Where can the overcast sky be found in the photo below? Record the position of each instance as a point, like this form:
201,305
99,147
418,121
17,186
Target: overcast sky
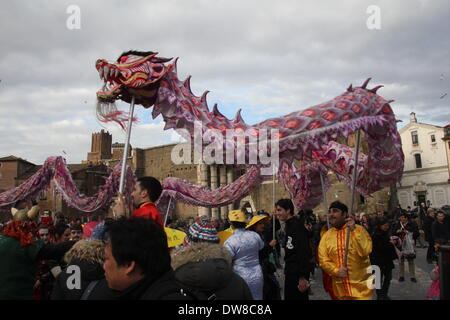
267,57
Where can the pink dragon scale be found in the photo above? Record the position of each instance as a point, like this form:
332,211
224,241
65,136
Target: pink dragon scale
309,135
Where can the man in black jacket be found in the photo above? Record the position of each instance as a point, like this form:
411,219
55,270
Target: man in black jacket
297,253
383,254
427,226
137,262
440,230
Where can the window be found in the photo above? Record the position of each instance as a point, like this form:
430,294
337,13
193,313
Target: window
418,161
439,196
433,138
415,137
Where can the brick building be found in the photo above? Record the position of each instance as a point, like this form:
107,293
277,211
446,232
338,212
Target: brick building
10,168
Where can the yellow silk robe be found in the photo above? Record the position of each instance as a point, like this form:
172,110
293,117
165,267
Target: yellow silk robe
331,259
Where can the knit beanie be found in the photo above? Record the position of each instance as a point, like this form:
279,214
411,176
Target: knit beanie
202,229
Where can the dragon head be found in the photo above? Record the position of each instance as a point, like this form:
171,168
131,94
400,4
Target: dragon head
135,73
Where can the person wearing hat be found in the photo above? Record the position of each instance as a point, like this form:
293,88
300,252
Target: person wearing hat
244,246
204,267
202,229
20,211
350,281
271,287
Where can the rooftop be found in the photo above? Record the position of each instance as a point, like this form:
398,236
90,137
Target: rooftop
13,158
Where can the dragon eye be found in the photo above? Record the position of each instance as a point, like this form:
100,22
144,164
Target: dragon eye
123,59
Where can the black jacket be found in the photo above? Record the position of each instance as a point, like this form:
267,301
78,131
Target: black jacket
427,223
298,253
54,251
264,257
89,271
164,287
441,232
205,270
383,251
410,226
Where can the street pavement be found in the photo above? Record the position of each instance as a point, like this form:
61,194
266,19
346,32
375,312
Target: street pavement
406,290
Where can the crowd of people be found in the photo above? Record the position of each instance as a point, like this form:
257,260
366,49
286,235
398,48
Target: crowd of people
231,259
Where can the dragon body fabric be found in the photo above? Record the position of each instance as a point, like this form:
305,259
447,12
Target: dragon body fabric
309,136
55,169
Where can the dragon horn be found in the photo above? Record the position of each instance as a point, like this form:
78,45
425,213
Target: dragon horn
350,88
156,59
374,90
216,111
203,98
175,65
237,117
187,84
366,83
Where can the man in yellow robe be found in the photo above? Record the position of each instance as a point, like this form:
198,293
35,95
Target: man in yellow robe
351,282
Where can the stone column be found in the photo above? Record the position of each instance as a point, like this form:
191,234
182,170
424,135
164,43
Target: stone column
199,182
202,175
230,178
214,184
223,182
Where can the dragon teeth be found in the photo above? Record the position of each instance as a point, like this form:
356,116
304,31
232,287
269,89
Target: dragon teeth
106,72
116,73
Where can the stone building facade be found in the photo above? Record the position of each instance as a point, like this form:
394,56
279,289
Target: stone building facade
426,174
446,140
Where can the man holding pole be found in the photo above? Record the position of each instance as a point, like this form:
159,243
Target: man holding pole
146,191
349,275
